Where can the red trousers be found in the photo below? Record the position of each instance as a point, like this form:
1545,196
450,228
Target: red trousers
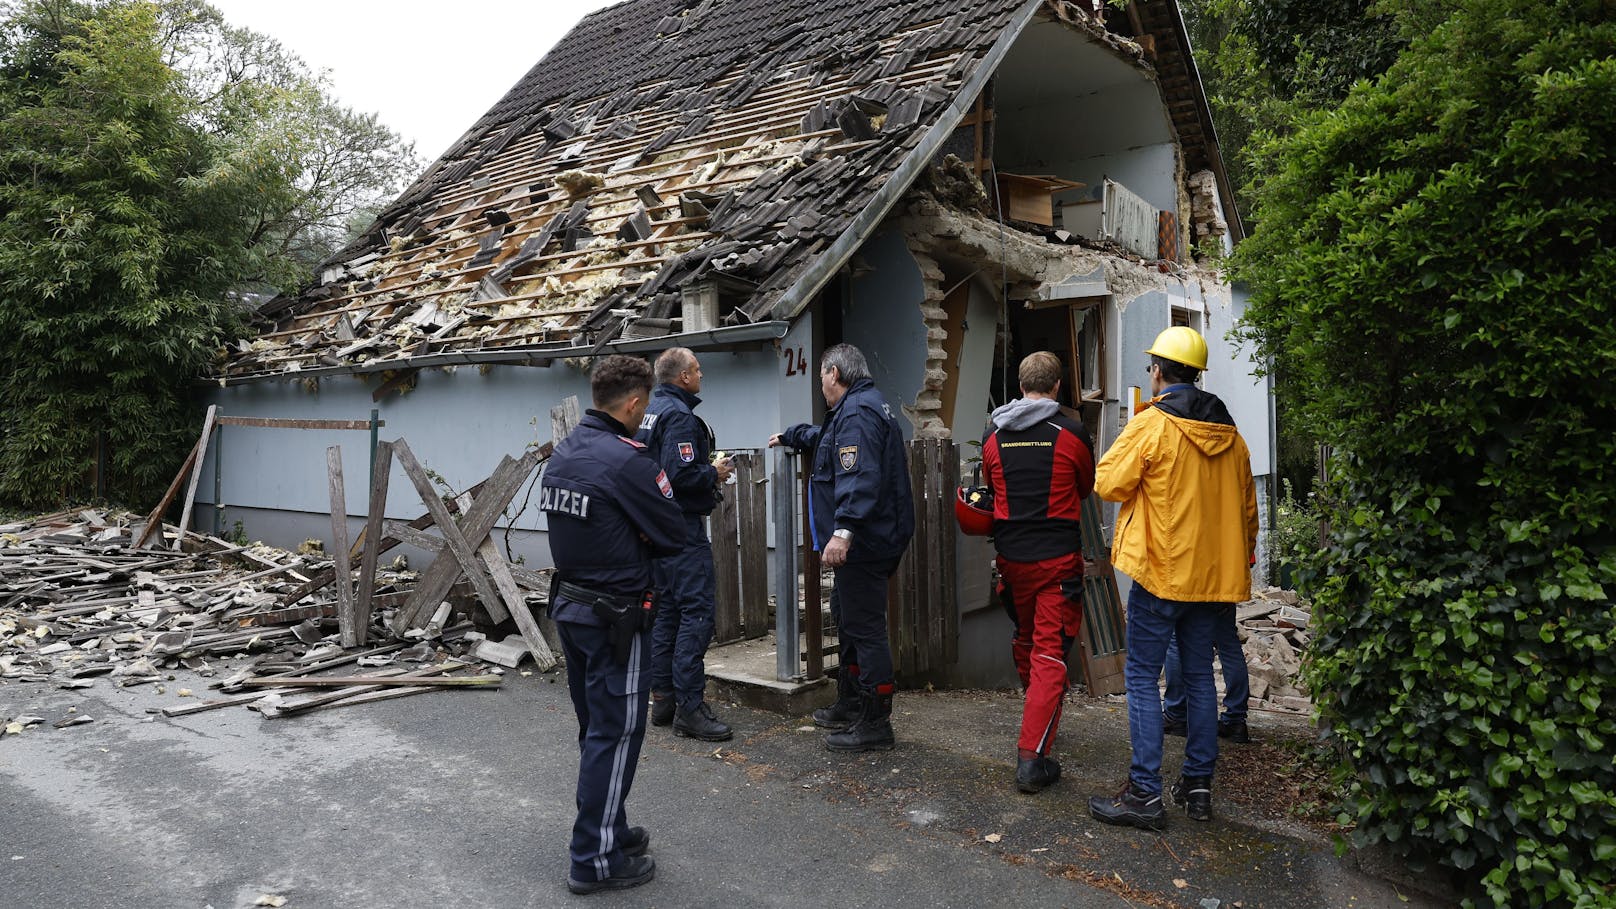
1047,622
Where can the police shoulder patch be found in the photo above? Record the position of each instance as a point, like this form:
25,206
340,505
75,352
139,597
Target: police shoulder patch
849,456
663,484
687,452
628,441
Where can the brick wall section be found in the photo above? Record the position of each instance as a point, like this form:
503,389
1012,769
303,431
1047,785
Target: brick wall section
928,410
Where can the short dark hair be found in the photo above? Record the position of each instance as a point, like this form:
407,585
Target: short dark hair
616,378
1174,371
848,362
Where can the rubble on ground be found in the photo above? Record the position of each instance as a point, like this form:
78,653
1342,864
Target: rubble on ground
78,603
1274,633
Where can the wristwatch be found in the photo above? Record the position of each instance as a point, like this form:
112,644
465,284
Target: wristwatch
844,533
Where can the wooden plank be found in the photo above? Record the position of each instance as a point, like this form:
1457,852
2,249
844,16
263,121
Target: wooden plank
463,548
950,571
752,505
288,616
196,473
447,681
339,548
380,470
278,423
154,521
347,695
563,418
323,578
724,530
516,603
216,703
1102,650
434,583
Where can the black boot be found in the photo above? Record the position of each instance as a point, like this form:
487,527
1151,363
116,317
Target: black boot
701,724
1035,774
871,731
662,707
1195,794
1130,808
841,714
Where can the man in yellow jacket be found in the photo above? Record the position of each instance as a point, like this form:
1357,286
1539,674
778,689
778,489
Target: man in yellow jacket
1185,535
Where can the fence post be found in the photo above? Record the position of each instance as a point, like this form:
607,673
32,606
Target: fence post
787,648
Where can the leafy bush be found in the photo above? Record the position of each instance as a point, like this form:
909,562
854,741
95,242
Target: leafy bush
1295,534
1433,268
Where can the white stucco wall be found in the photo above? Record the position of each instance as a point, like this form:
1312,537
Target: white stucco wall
459,424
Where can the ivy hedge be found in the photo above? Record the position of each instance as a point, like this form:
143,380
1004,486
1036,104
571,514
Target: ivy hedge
1433,274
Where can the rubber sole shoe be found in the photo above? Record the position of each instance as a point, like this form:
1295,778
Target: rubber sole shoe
637,841
865,735
662,709
1195,794
701,724
1179,728
636,870
1130,808
1036,774
837,716
1235,731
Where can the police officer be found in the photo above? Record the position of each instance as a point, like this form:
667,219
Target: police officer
610,510
862,516
683,444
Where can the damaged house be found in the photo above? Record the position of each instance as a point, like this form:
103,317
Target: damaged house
949,185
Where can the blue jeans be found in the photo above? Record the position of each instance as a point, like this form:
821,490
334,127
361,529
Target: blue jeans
1232,659
1152,624
684,618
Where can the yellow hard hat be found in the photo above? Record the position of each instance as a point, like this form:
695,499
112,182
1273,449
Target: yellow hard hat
1181,345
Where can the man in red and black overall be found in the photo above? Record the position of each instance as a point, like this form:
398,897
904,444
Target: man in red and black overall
1039,462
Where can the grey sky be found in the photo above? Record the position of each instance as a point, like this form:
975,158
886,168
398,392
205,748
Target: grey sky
428,70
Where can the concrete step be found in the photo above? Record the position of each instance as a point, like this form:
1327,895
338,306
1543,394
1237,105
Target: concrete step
745,673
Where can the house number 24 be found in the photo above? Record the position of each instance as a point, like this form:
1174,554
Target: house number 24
796,365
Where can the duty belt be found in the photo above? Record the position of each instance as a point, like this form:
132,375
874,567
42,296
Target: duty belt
587,597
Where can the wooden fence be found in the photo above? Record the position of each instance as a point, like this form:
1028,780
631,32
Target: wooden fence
739,531
923,608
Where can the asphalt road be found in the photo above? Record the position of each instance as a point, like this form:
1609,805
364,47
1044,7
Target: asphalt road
465,799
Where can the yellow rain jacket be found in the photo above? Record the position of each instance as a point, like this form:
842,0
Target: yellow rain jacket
1187,530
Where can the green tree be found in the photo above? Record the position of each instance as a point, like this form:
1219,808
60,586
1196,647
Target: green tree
152,161
1432,269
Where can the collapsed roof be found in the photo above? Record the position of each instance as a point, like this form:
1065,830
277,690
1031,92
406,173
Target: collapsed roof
743,147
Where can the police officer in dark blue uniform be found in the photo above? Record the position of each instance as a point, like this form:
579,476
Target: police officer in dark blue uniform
862,516
610,510
683,444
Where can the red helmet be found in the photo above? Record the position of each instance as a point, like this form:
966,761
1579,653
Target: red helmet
973,509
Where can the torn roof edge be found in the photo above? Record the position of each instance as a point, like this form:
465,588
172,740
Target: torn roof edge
704,339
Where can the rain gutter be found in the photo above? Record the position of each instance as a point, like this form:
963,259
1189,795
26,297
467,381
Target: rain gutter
529,356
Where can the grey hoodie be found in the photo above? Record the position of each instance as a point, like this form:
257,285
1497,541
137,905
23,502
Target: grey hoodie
1024,412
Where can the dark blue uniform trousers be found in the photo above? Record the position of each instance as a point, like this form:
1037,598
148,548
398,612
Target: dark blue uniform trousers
858,604
684,618
610,700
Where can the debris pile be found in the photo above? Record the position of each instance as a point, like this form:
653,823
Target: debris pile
78,601
1274,633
